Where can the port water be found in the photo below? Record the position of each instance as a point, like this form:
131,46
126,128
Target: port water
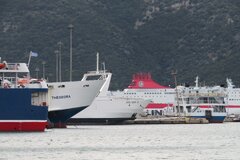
132,142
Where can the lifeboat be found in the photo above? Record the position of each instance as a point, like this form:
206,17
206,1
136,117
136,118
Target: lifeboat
23,81
3,65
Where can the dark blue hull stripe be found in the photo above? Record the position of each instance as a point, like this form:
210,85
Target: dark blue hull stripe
16,105
212,119
61,116
77,121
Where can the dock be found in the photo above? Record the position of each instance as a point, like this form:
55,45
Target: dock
167,120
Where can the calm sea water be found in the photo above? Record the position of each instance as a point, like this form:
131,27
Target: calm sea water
126,142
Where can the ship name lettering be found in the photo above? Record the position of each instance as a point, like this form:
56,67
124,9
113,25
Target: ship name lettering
131,102
61,97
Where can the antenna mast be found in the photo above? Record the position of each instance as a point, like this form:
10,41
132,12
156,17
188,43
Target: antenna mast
174,73
97,65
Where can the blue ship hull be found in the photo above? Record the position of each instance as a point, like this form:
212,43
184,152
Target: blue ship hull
17,112
213,119
59,117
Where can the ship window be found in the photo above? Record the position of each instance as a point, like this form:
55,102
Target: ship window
181,109
95,77
61,86
188,109
35,94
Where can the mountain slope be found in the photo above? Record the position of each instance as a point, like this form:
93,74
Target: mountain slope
192,37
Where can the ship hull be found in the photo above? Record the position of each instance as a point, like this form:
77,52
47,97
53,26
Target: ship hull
98,121
213,119
69,98
233,109
19,126
19,112
109,110
61,116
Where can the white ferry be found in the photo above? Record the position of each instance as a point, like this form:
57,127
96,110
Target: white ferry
110,107
143,86
69,98
164,97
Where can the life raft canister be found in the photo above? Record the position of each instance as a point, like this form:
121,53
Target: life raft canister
3,65
6,85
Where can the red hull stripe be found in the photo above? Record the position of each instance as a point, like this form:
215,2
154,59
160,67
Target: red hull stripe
237,107
23,126
204,106
163,105
233,106
158,105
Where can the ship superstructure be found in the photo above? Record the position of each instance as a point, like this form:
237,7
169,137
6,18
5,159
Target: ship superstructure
143,86
233,99
201,102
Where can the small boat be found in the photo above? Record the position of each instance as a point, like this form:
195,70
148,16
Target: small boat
22,107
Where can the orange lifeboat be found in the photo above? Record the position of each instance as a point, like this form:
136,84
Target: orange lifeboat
23,81
3,65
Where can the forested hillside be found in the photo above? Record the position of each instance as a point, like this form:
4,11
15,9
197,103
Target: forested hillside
158,36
